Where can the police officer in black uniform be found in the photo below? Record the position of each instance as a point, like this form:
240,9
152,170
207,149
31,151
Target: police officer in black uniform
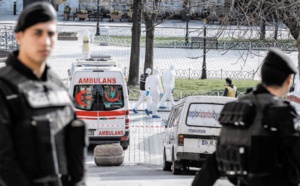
41,142
258,144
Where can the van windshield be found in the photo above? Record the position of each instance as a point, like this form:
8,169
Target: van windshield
204,115
98,97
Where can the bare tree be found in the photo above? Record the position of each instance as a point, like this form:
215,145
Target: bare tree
150,11
268,12
135,43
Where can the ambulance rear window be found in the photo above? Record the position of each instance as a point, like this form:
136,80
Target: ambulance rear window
98,97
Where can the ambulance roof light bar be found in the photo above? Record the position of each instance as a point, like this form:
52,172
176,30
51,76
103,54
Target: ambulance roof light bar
96,62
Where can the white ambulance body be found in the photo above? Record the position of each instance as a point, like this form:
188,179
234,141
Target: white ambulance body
100,97
294,95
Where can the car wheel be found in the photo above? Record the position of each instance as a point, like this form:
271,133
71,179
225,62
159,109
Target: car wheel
125,147
175,171
166,165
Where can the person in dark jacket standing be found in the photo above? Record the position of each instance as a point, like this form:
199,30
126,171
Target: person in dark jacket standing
259,141
143,93
41,141
230,90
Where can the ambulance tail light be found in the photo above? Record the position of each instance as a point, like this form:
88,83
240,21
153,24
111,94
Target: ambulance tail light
180,139
124,138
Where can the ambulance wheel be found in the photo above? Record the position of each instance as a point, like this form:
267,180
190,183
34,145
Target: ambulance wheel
125,147
175,169
166,165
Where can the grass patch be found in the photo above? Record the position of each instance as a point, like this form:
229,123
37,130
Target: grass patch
211,84
188,87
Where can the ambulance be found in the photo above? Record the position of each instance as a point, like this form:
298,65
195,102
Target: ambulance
100,96
294,94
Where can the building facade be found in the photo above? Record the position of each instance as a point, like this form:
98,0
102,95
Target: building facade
170,6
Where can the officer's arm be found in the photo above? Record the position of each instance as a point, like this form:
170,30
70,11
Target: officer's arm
289,135
282,117
208,174
225,92
10,172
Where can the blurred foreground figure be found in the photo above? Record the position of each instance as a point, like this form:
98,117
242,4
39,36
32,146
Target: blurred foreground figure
41,142
259,142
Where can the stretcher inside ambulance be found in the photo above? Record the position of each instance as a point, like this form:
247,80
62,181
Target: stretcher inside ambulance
101,100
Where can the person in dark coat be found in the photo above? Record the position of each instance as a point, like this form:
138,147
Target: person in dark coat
259,141
41,141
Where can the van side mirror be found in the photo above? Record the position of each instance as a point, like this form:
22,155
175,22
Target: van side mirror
164,123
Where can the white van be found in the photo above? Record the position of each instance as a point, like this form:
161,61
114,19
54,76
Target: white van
191,131
101,99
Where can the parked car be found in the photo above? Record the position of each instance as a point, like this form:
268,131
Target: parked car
191,131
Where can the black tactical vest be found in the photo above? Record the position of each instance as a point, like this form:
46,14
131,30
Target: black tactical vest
248,144
41,112
143,78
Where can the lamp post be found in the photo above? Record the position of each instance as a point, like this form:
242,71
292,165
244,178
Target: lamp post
204,14
187,11
98,13
187,29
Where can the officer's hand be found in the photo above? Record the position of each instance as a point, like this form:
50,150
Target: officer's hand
161,95
147,93
173,89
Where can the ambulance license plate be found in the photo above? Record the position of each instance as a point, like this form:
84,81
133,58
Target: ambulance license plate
91,132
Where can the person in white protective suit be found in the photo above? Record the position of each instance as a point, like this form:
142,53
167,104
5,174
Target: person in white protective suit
153,85
169,86
143,96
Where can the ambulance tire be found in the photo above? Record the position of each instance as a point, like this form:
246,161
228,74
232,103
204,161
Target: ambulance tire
113,149
125,147
175,169
109,160
166,165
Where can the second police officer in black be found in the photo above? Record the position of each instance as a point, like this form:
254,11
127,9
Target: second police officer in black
259,144
41,142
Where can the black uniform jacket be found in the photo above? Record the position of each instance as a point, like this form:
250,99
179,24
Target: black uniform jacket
11,173
290,140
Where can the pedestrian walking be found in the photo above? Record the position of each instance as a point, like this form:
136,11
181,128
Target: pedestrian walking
143,95
169,87
259,141
41,141
153,84
230,89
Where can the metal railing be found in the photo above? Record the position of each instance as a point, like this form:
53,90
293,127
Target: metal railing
7,38
211,74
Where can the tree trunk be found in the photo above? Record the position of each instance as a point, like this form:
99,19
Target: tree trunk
262,32
149,23
276,25
135,44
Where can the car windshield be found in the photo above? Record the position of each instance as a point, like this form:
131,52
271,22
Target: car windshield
204,115
98,97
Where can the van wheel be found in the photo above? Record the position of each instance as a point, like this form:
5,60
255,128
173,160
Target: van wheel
175,170
166,165
125,147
